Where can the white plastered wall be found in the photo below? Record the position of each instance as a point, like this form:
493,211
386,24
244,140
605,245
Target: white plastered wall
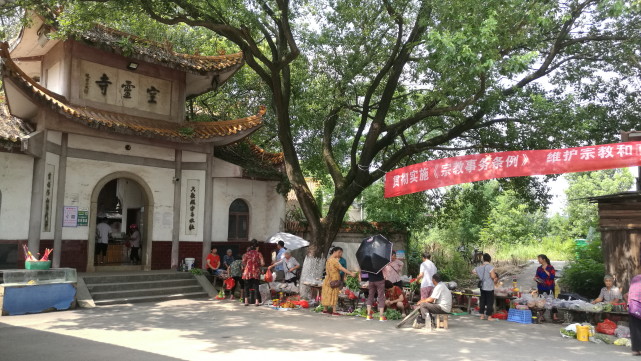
16,172
83,175
119,147
266,206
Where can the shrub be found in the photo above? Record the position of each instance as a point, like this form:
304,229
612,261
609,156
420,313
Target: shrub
449,262
584,275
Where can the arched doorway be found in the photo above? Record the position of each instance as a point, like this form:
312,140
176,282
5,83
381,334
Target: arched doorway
119,200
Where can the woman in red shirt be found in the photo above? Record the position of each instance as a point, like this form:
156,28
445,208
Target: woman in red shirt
252,261
394,297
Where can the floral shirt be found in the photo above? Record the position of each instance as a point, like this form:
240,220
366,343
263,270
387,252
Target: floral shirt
252,261
546,283
392,271
236,268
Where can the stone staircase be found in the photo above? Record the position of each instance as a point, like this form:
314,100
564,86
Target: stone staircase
143,287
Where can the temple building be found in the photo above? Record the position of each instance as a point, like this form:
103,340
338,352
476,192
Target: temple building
94,128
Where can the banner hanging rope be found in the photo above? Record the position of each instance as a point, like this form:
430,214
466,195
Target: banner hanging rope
476,167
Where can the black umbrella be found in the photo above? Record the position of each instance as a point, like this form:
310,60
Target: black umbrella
374,253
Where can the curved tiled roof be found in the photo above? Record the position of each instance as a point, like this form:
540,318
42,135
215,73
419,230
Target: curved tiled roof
255,162
267,157
113,40
184,132
12,129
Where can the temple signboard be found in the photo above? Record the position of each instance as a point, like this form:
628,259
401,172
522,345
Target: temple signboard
119,87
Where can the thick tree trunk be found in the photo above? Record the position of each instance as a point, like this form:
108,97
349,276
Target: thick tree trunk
317,252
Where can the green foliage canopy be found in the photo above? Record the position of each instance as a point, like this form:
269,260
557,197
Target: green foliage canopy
358,88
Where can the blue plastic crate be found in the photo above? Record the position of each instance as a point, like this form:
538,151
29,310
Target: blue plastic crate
519,316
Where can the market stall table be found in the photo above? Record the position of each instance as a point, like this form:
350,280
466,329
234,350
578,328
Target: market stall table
569,315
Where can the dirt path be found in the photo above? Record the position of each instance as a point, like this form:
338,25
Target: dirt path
525,276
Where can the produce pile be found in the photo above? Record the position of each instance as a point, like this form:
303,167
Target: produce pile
619,338
575,305
353,284
391,314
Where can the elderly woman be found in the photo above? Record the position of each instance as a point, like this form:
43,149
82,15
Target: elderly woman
610,293
329,294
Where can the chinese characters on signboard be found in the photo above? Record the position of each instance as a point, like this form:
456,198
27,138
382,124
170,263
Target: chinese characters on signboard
477,167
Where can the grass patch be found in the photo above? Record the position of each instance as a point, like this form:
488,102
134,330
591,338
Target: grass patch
555,248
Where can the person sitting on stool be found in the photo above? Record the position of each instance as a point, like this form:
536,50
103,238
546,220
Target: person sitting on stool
440,302
213,262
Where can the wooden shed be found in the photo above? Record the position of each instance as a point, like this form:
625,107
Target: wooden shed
620,227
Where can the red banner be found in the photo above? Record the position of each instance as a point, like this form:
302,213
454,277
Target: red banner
477,167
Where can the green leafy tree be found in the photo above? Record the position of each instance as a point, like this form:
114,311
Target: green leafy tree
510,222
464,210
412,211
358,88
583,214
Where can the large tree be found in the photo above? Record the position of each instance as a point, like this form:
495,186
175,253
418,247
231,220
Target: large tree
358,88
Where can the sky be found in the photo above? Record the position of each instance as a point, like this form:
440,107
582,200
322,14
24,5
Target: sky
558,187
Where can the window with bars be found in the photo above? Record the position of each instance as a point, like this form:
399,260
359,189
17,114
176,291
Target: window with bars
238,221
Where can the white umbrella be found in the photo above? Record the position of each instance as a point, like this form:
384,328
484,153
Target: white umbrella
292,242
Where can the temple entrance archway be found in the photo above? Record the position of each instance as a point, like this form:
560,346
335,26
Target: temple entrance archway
120,199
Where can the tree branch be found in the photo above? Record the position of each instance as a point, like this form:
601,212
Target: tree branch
371,89
328,153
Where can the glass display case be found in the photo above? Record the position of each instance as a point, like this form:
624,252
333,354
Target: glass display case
22,277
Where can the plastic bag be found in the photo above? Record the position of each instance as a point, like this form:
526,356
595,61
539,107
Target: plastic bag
229,283
265,293
501,315
622,332
269,277
608,327
623,342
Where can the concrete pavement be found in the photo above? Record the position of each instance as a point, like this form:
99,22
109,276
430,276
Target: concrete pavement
209,330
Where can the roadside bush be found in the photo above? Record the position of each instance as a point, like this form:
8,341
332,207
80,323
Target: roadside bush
449,262
584,275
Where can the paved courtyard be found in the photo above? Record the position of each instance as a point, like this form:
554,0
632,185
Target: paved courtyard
214,330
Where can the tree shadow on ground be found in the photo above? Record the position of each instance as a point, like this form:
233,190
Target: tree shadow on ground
224,327
22,343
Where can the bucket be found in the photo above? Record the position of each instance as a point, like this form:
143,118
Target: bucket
582,333
189,262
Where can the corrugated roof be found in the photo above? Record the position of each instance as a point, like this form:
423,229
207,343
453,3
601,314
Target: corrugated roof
614,197
184,132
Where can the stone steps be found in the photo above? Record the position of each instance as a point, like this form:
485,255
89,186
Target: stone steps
111,289
117,301
129,286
